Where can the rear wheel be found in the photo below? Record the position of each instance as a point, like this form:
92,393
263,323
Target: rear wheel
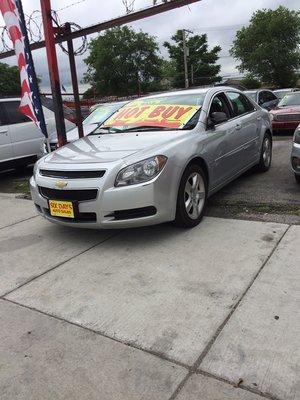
192,196
265,154
297,177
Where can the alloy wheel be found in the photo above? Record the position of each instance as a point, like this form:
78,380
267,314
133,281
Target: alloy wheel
194,195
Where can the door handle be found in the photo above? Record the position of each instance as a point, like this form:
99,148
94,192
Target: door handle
238,127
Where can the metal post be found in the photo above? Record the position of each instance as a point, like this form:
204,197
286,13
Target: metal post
192,75
74,82
53,71
186,75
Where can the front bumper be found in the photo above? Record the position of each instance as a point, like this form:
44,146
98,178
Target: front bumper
295,158
284,126
130,206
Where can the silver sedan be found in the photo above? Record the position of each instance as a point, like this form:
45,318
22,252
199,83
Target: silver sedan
295,158
157,159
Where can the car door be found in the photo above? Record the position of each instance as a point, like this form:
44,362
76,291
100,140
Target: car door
25,136
220,147
245,137
6,152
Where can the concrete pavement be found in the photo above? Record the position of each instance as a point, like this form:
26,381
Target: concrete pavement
156,313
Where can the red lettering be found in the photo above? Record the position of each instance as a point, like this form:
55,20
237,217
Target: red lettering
182,111
142,109
157,111
169,112
120,114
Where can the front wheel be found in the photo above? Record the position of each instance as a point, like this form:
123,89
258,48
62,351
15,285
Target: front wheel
265,154
192,197
297,177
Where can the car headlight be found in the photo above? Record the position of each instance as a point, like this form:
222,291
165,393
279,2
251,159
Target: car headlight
297,136
140,172
271,116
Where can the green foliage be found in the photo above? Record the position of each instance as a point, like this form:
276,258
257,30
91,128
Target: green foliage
122,62
269,47
250,82
203,61
9,81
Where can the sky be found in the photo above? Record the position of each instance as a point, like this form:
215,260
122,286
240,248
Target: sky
219,19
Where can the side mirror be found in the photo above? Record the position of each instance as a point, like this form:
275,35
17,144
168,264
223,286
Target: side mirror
218,117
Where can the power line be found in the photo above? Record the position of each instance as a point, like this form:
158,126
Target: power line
70,5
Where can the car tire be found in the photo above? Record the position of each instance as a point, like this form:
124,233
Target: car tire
297,177
265,154
192,197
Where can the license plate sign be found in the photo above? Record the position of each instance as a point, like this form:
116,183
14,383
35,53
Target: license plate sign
60,208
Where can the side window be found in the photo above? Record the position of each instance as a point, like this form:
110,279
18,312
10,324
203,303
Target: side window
219,104
270,96
240,104
13,114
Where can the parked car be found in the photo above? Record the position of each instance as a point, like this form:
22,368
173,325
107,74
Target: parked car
264,97
295,157
286,116
157,159
68,113
280,93
92,121
20,139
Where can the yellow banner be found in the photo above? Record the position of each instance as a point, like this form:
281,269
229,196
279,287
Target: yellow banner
162,115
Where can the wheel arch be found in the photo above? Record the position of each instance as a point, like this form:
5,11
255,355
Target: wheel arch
202,163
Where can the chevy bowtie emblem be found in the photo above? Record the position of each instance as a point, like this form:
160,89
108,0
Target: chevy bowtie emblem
61,184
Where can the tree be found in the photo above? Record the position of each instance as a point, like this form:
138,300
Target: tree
250,82
123,62
9,80
202,67
269,47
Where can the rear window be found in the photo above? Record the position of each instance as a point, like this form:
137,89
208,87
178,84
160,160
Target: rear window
48,103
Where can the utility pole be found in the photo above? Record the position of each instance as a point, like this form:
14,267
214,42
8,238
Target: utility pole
192,75
49,32
185,54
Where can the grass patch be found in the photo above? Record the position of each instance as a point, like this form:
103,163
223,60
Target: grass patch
261,208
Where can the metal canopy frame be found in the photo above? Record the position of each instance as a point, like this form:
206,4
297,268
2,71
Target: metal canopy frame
54,35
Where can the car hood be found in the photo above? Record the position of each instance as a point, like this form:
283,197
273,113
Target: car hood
111,147
286,110
73,134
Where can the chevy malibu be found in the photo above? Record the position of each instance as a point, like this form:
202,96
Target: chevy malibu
157,159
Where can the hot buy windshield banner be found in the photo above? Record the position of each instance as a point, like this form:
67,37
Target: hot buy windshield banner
163,115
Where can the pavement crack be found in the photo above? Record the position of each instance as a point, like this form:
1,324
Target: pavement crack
240,386
19,222
195,367
60,264
128,344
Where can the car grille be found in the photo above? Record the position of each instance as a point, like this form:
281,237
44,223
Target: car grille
288,117
71,174
69,195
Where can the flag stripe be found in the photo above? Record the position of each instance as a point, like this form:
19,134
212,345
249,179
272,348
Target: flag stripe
30,105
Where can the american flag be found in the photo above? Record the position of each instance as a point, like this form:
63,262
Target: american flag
30,105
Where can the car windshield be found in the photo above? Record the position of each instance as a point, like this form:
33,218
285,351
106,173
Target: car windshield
291,99
170,112
101,113
281,93
252,95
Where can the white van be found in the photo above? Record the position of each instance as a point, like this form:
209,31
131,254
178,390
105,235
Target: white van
20,139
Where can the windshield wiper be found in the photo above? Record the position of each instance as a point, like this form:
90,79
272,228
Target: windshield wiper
142,128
